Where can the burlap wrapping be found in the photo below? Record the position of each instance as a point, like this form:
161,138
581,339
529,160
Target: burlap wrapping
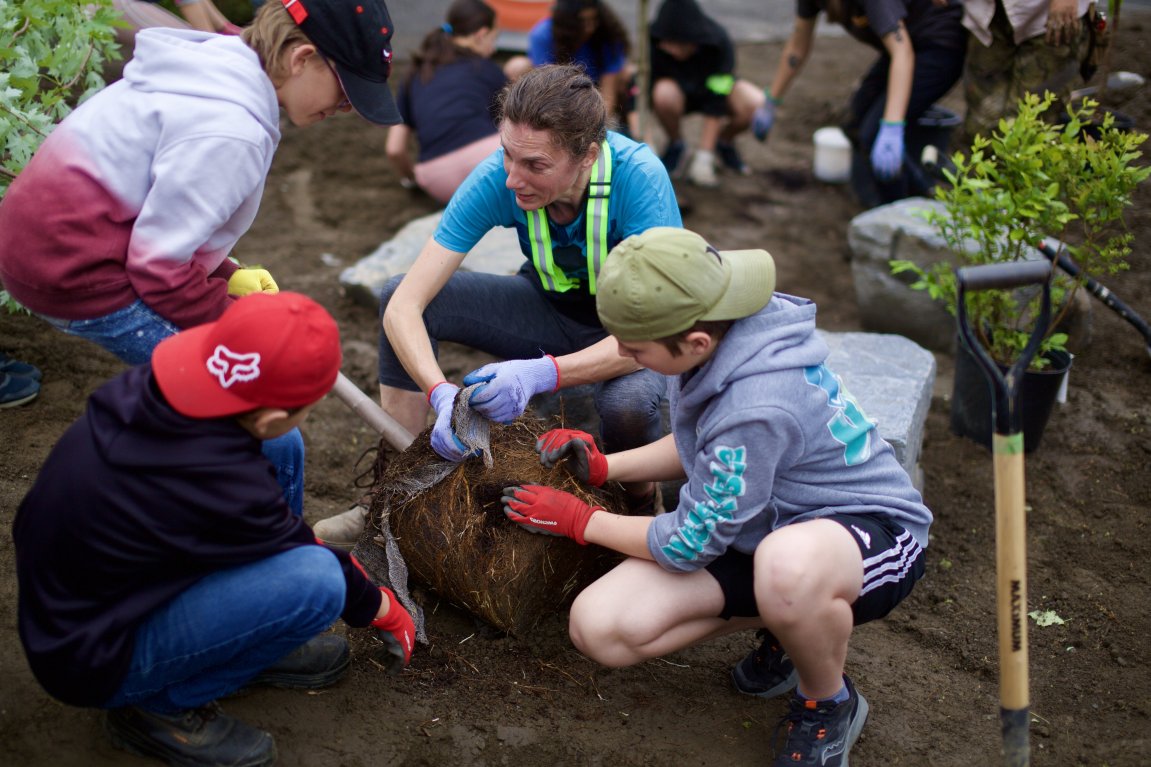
447,523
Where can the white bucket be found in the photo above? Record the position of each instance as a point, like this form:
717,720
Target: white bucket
832,156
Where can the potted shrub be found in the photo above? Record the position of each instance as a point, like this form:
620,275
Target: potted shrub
1032,180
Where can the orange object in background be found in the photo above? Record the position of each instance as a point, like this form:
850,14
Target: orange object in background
519,15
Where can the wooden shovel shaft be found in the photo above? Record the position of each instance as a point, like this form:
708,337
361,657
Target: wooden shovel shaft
1011,592
374,415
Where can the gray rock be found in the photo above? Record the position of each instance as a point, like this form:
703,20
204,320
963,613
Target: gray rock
887,304
497,253
891,377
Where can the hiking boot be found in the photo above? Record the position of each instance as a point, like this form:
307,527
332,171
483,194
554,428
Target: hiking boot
319,662
343,530
198,737
673,158
731,159
766,671
821,732
17,390
702,169
14,367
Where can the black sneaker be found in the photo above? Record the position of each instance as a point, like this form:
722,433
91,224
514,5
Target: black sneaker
767,671
319,662
731,159
673,158
820,732
199,737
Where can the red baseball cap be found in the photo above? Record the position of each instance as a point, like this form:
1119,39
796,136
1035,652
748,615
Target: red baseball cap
277,350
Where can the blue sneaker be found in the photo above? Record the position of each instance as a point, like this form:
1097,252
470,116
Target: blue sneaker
821,732
767,671
17,390
14,367
673,158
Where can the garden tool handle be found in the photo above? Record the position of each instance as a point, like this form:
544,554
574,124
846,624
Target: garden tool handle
1010,504
374,415
1011,274
1005,404
1100,291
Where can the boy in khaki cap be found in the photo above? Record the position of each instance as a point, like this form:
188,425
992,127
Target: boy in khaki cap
796,518
159,565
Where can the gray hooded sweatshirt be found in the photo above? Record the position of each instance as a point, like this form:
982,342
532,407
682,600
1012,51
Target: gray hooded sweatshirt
769,436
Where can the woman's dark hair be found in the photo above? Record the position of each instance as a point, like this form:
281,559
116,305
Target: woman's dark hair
560,99
567,31
465,17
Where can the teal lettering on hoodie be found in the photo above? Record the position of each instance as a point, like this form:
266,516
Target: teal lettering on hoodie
687,543
847,425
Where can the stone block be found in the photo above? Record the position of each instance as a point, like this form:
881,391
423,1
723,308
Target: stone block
891,377
497,253
887,304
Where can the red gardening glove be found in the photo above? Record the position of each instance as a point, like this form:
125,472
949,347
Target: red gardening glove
397,624
589,463
540,509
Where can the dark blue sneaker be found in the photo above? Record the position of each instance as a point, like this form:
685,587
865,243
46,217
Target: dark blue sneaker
17,368
673,158
17,390
820,732
767,671
731,159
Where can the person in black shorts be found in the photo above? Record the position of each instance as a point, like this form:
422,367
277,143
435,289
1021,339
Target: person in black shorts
796,517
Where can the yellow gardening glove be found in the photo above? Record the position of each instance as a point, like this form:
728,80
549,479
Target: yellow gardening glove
254,280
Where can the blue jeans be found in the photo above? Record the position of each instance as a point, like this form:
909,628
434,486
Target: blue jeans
505,316
133,332
217,635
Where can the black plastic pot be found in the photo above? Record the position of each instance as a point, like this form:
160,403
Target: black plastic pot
971,398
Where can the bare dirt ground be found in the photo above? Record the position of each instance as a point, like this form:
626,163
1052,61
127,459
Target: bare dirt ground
474,698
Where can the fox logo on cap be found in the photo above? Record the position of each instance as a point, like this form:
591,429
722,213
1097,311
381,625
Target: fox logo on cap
229,367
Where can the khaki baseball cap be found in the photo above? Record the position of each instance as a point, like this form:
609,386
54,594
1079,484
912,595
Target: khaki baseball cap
663,281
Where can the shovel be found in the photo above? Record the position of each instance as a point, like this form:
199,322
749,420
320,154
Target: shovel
1010,522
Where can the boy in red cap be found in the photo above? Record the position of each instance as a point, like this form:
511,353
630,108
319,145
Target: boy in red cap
119,229
159,565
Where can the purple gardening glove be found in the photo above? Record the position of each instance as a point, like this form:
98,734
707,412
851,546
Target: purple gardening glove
444,440
508,386
887,151
764,118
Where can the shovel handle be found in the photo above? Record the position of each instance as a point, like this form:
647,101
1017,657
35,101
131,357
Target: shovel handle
1013,274
374,415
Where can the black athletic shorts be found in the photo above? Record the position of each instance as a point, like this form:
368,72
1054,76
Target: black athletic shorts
892,563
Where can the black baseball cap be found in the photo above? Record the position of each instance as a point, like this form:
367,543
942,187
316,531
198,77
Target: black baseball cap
356,36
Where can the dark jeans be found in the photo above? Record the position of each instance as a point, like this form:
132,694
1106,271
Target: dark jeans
936,71
505,316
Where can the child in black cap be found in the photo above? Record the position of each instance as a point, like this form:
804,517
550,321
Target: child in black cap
119,229
159,567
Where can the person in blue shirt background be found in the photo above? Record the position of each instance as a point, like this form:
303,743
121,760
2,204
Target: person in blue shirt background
586,33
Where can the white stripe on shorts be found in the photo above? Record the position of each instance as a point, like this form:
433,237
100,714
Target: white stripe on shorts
892,565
